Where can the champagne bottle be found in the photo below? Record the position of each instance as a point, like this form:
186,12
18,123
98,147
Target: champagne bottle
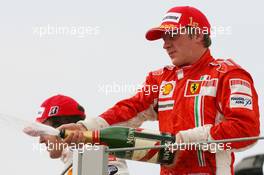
122,137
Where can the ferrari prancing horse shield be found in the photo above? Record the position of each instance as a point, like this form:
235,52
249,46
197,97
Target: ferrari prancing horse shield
201,87
194,87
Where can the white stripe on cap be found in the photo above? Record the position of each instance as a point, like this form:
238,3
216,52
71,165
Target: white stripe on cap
172,17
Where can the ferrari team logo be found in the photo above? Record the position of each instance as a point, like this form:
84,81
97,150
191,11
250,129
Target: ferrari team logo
194,87
201,87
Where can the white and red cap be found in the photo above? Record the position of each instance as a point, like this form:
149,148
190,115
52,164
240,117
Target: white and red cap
178,17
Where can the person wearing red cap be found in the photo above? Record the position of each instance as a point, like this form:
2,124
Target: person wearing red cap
58,110
198,98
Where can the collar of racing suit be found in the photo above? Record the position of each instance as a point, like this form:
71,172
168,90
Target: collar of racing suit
203,61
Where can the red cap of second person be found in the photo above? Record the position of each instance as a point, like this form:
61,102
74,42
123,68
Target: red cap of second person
59,105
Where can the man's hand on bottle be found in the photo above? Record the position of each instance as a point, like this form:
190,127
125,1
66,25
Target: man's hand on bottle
76,136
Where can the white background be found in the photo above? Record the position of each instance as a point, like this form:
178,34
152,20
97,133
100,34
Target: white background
34,67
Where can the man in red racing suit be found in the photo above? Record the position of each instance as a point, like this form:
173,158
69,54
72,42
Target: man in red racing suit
199,98
216,97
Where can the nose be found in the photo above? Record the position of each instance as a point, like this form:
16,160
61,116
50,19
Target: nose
166,44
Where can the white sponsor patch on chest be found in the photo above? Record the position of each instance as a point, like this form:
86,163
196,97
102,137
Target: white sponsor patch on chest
240,86
167,89
241,101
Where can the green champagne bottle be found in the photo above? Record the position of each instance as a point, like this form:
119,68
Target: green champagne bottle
123,137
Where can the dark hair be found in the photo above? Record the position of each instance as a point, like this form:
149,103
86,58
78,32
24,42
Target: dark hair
206,37
57,121
207,40
80,108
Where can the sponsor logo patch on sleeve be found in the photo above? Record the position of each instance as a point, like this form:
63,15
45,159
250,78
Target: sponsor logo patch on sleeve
240,86
241,101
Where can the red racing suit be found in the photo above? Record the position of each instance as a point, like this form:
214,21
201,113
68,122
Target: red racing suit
211,92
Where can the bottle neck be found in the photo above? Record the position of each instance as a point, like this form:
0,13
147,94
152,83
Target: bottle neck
90,136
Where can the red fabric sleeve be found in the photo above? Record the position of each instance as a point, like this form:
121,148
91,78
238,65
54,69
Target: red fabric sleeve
240,109
129,108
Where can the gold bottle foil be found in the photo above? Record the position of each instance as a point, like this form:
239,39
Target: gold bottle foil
87,134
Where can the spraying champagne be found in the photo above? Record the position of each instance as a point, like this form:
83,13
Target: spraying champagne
122,137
